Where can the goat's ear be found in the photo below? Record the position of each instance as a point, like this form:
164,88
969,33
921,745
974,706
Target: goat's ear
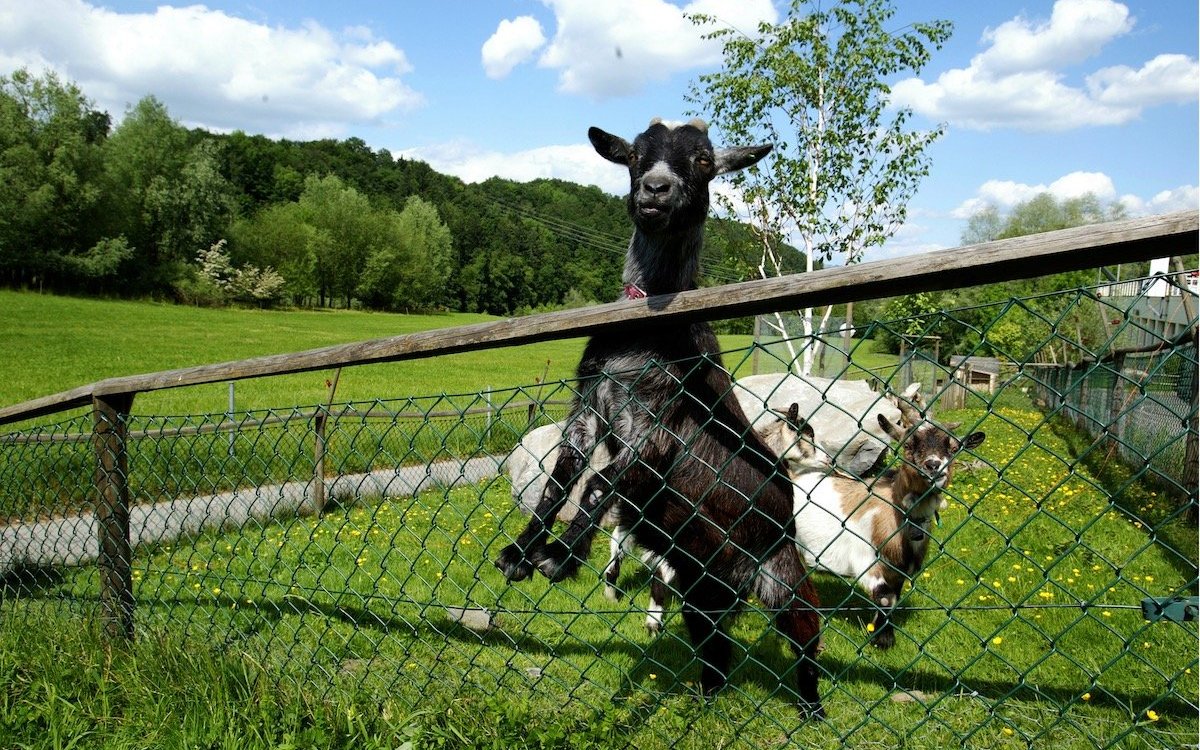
611,147
740,157
891,429
793,414
807,431
974,440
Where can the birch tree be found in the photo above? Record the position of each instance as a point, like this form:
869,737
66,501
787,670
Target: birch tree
845,163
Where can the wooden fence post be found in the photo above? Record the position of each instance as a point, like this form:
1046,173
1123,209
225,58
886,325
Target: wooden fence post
112,513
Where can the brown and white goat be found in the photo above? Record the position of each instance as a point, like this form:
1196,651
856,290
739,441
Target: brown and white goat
687,476
875,531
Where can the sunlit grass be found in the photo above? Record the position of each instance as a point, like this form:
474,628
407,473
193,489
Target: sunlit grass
1024,628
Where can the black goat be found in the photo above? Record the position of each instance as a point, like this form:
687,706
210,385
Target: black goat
690,480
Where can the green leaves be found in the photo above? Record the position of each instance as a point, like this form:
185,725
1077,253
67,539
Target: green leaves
816,86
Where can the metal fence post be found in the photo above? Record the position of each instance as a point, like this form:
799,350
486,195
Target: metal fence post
1191,461
318,490
112,513
1115,424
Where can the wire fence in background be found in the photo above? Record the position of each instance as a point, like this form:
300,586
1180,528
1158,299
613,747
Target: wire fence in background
350,547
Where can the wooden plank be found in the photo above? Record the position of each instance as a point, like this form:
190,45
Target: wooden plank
1078,248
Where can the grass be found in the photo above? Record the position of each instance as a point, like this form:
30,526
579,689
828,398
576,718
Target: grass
341,631
67,342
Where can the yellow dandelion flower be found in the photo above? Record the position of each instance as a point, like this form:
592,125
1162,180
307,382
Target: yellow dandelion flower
1007,731
1085,697
997,641
1149,579
653,676
1152,715
870,627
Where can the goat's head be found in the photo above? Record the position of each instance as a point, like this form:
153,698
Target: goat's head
670,167
928,448
792,438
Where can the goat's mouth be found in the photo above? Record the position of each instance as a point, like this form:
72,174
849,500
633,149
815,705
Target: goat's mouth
651,212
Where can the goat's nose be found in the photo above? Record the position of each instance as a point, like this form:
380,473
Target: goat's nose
656,187
933,466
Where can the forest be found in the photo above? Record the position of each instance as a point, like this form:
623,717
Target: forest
150,209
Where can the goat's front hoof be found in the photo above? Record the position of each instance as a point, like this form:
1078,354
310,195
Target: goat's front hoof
883,640
811,711
555,562
513,565
612,593
653,626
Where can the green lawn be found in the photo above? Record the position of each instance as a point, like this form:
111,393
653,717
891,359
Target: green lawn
1024,629
63,342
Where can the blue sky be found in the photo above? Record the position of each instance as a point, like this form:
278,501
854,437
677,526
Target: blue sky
1069,96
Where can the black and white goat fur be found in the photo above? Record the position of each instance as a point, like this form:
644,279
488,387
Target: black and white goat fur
690,480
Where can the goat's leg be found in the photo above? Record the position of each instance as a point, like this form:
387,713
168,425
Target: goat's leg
560,559
885,598
713,644
785,588
660,592
619,546
514,560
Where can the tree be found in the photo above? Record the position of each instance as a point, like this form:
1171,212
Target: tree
428,245
50,168
1022,331
143,155
278,236
347,229
815,85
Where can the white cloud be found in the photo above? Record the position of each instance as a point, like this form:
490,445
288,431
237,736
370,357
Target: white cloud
1018,81
513,43
212,69
618,47
1166,78
1076,31
574,163
1182,198
1005,194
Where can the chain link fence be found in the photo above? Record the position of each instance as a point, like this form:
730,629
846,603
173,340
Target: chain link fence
349,546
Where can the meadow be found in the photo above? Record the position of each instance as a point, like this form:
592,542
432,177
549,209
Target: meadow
360,628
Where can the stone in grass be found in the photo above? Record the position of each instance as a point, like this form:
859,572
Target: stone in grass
472,618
